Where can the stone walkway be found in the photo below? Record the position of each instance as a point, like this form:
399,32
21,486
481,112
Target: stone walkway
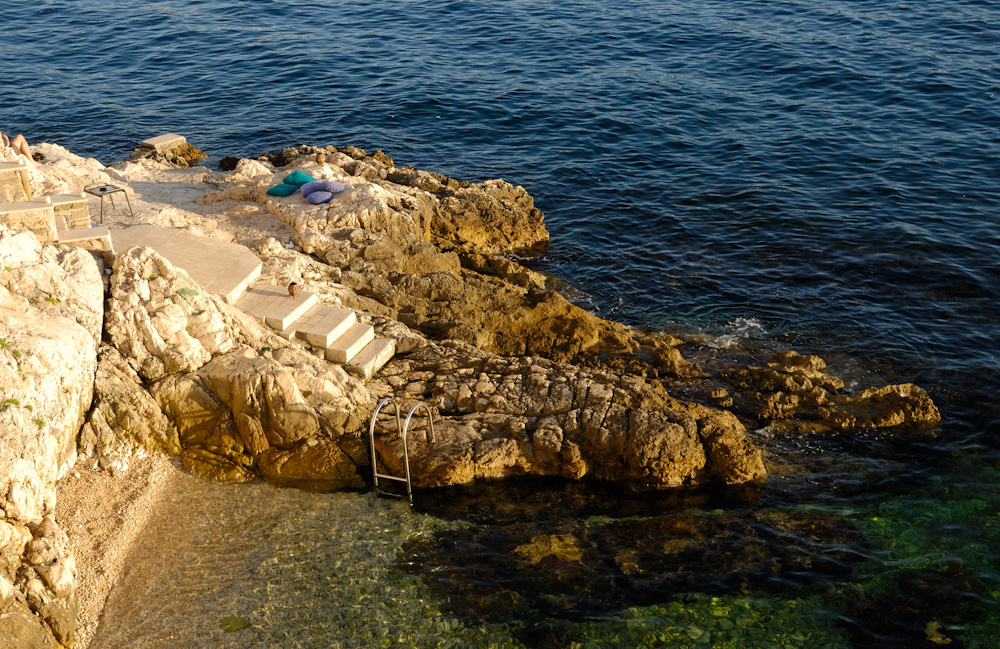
221,268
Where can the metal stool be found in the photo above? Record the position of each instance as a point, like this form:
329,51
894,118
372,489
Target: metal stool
102,190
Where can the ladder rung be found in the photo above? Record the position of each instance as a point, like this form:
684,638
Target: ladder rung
390,477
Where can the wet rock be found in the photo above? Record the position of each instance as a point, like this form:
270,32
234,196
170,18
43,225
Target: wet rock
901,407
793,386
315,465
228,163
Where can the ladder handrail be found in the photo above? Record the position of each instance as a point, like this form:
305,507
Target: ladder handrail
430,420
401,430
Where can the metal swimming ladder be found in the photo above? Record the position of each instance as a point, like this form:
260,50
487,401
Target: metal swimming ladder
401,431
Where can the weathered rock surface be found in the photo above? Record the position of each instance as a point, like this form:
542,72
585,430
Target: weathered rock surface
160,320
48,579
498,417
125,420
378,235
795,387
49,329
285,410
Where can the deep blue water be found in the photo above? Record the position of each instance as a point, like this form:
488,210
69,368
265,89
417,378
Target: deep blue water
821,175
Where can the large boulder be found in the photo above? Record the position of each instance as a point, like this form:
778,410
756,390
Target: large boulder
124,421
245,408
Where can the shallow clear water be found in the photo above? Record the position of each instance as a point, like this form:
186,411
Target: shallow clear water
817,175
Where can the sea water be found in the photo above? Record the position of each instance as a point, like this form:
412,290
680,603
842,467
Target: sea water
821,176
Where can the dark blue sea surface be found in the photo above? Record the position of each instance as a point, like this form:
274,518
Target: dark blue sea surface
822,176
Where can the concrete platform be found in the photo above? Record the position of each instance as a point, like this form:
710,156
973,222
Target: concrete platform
221,268
345,348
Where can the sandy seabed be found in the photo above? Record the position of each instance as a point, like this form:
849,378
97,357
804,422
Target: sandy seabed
102,512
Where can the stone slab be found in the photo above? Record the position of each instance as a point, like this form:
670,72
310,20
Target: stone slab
220,267
164,142
82,234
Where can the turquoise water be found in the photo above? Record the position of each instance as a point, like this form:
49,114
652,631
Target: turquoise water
820,176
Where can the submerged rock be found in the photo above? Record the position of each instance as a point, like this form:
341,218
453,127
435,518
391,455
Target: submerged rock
492,572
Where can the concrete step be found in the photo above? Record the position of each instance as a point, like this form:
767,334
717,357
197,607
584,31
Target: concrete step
275,306
81,234
96,240
14,185
373,357
345,348
323,324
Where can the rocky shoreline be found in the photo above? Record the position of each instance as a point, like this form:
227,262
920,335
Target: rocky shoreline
103,365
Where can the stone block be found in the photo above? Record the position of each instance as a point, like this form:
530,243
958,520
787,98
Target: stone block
164,143
36,216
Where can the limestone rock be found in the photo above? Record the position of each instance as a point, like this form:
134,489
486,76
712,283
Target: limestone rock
160,320
498,417
21,627
125,420
55,280
48,579
796,387
215,467
315,465
900,407
47,365
492,314
491,217
182,154
242,407
731,458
